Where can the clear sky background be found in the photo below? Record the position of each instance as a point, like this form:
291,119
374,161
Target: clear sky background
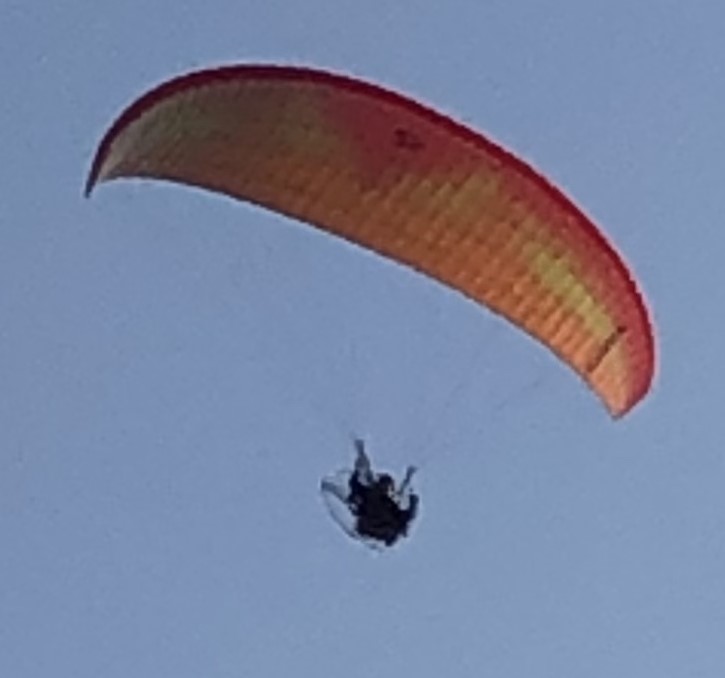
178,370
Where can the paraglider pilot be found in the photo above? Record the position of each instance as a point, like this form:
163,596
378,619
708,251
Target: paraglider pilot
382,512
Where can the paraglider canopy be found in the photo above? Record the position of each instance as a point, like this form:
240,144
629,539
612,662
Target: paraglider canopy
382,171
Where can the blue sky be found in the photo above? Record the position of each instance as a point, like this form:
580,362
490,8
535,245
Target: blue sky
179,369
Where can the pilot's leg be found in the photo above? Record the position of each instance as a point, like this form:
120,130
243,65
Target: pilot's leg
362,464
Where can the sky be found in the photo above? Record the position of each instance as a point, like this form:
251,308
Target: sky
180,369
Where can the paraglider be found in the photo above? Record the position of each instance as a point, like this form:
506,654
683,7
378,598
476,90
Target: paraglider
391,175
382,513
388,174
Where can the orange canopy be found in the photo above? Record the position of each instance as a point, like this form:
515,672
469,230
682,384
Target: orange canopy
391,175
